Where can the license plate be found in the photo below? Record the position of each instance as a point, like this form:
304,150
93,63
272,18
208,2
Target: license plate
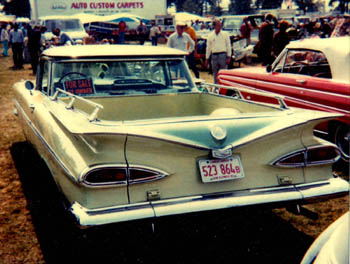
221,169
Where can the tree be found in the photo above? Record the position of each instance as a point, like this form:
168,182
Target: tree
343,5
19,8
238,7
197,6
268,4
192,7
306,5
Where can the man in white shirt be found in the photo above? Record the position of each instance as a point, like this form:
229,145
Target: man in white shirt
16,38
181,40
154,33
219,48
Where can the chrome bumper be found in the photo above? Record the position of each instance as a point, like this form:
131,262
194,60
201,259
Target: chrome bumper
301,193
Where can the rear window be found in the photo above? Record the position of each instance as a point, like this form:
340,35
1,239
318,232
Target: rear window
63,25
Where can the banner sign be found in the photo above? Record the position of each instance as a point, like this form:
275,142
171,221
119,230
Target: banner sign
144,8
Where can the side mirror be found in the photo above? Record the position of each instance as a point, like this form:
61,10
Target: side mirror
29,85
198,83
268,68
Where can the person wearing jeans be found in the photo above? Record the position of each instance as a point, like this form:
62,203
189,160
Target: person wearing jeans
5,40
16,39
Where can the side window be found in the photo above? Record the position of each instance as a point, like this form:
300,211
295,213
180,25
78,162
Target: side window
279,65
43,77
307,62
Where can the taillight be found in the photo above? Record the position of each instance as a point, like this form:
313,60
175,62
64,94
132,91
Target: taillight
109,176
137,175
317,155
102,175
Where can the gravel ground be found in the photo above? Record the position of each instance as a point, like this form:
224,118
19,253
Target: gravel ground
33,228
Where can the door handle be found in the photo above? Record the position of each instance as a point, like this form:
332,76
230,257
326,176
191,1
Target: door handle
301,81
32,107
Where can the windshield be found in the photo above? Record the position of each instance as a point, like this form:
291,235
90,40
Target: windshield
64,25
109,78
232,23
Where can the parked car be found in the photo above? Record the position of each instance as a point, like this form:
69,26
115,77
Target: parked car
127,135
332,245
71,26
233,24
312,74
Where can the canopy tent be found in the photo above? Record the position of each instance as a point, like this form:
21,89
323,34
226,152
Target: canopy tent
131,20
188,17
87,18
126,17
22,20
4,18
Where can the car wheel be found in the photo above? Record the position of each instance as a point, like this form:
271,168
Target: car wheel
341,139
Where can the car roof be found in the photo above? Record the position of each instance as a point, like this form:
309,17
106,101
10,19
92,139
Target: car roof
337,51
89,51
56,17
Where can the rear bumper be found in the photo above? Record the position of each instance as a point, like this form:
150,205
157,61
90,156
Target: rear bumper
301,193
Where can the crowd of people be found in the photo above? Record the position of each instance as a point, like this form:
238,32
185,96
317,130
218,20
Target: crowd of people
26,43
273,37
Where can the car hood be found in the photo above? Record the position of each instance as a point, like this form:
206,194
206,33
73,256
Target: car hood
197,131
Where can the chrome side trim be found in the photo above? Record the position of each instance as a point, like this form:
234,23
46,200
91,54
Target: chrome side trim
44,142
238,90
300,193
92,117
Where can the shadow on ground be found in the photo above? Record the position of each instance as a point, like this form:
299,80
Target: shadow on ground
223,236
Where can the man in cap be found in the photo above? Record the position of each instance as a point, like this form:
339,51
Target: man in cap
181,40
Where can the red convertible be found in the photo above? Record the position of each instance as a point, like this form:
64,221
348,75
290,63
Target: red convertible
310,73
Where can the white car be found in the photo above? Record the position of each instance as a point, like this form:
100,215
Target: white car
71,26
332,246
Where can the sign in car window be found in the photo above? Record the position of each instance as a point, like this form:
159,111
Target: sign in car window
79,86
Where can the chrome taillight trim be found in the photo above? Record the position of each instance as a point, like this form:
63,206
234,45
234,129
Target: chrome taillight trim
276,162
158,174
324,162
306,163
89,170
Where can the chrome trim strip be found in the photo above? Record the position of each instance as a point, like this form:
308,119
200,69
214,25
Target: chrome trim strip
300,193
92,117
278,97
42,139
108,58
297,88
